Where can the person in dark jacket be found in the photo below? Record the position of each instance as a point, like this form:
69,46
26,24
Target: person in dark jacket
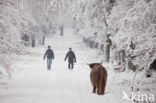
50,55
71,58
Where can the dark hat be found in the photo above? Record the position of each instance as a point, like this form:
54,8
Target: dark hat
49,46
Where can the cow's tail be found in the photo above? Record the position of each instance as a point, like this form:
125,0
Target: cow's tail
103,80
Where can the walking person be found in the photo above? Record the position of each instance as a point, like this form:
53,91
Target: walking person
50,55
71,58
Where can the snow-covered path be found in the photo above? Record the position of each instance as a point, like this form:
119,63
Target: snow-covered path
32,83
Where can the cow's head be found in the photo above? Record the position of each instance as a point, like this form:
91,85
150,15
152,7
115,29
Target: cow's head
91,65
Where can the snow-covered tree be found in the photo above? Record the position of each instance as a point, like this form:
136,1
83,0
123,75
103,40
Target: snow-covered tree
130,24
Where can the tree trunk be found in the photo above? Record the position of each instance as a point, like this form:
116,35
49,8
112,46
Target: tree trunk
61,30
33,43
43,40
107,53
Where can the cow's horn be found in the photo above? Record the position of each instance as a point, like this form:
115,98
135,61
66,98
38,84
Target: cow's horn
101,62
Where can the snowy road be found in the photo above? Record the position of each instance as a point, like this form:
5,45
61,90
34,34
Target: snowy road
32,83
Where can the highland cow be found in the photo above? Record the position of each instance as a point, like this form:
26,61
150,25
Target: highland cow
98,77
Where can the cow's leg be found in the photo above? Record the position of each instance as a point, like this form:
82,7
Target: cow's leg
94,89
104,86
98,91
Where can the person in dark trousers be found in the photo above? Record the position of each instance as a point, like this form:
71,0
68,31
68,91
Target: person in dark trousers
71,58
50,55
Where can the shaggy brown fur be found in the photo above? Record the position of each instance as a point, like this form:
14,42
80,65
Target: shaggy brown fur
98,77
